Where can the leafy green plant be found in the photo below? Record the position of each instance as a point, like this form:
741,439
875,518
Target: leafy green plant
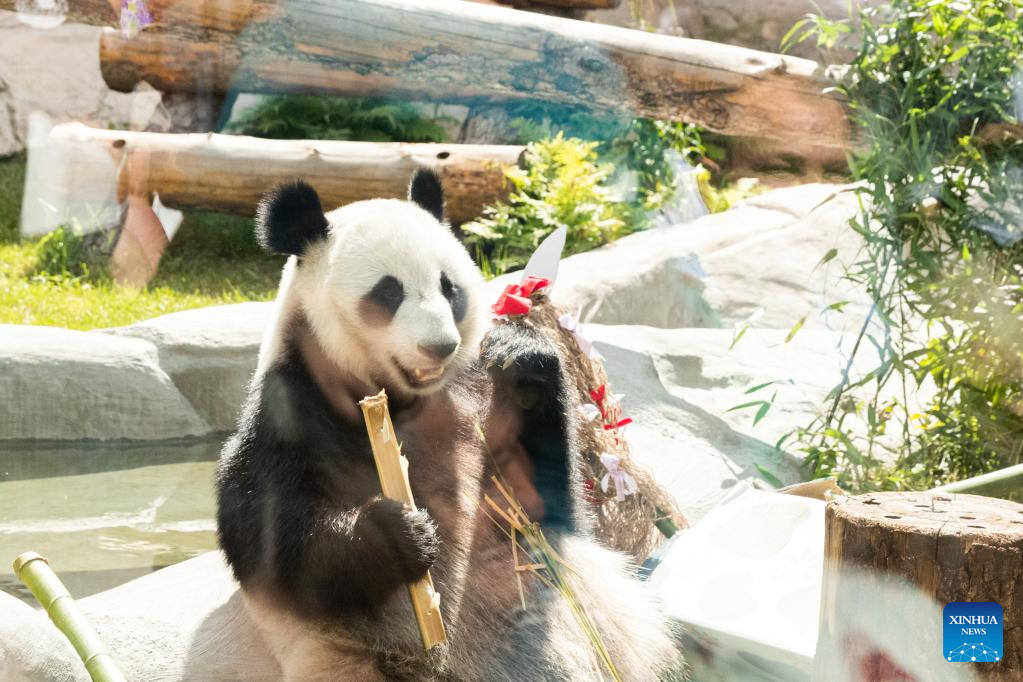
652,152
298,117
825,32
561,184
935,93
63,253
719,198
644,153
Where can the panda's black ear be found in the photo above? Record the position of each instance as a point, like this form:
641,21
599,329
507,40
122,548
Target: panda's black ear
425,190
290,218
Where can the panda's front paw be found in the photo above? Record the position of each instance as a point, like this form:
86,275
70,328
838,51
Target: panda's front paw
409,533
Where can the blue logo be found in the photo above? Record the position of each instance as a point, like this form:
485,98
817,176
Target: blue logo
973,632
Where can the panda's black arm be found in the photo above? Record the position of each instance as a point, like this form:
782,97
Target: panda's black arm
528,371
339,562
326,560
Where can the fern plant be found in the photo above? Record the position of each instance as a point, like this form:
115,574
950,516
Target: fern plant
309,117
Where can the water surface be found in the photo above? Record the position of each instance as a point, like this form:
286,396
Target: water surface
102,513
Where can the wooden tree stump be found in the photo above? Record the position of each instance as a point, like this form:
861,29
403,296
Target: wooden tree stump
953,547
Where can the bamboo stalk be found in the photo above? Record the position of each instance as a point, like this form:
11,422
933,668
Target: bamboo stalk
392,468
34,570
1001,483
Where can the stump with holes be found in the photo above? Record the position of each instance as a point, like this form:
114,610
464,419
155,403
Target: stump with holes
953,547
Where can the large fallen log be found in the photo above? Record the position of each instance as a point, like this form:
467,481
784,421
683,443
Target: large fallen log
234,14
92,12
460,51
223,15
228,173
566,4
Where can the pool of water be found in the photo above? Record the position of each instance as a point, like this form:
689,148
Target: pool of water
104,514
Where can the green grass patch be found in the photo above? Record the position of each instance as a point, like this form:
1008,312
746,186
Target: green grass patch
213,260
81,304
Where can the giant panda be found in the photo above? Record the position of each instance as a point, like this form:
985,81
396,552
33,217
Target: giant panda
381,294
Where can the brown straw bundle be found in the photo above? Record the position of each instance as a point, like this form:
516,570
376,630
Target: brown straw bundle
544,562
630,525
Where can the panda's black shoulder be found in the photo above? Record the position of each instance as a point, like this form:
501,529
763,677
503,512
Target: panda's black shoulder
286,438
287,411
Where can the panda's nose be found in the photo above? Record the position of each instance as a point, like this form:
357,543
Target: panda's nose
438,351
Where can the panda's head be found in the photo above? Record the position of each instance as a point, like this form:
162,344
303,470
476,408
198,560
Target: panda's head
389,292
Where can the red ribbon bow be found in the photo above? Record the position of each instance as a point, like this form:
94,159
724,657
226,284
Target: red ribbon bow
610,413
590,492
617,425
514,300
599,394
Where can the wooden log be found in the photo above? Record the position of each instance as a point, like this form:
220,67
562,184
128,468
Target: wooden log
953,547
233,15
222,15
92,12
228,173
567,4
468,52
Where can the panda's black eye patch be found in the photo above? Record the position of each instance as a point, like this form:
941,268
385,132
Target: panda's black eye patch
446,287
387,294
456,297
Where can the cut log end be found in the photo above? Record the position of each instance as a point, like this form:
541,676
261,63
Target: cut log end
953,547
964,516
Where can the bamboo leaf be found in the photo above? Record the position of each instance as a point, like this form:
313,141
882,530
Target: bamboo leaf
759,386
781,441
829,256
838,306
795,329
768,476
738,336
787,38
959,54
743,406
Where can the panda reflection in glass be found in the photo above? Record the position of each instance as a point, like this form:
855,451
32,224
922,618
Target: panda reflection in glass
381,294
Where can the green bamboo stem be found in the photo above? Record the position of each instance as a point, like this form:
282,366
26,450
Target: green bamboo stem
33,570
999,483
665,525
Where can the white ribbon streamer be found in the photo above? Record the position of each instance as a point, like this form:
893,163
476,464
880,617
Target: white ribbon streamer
570,323
624,483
